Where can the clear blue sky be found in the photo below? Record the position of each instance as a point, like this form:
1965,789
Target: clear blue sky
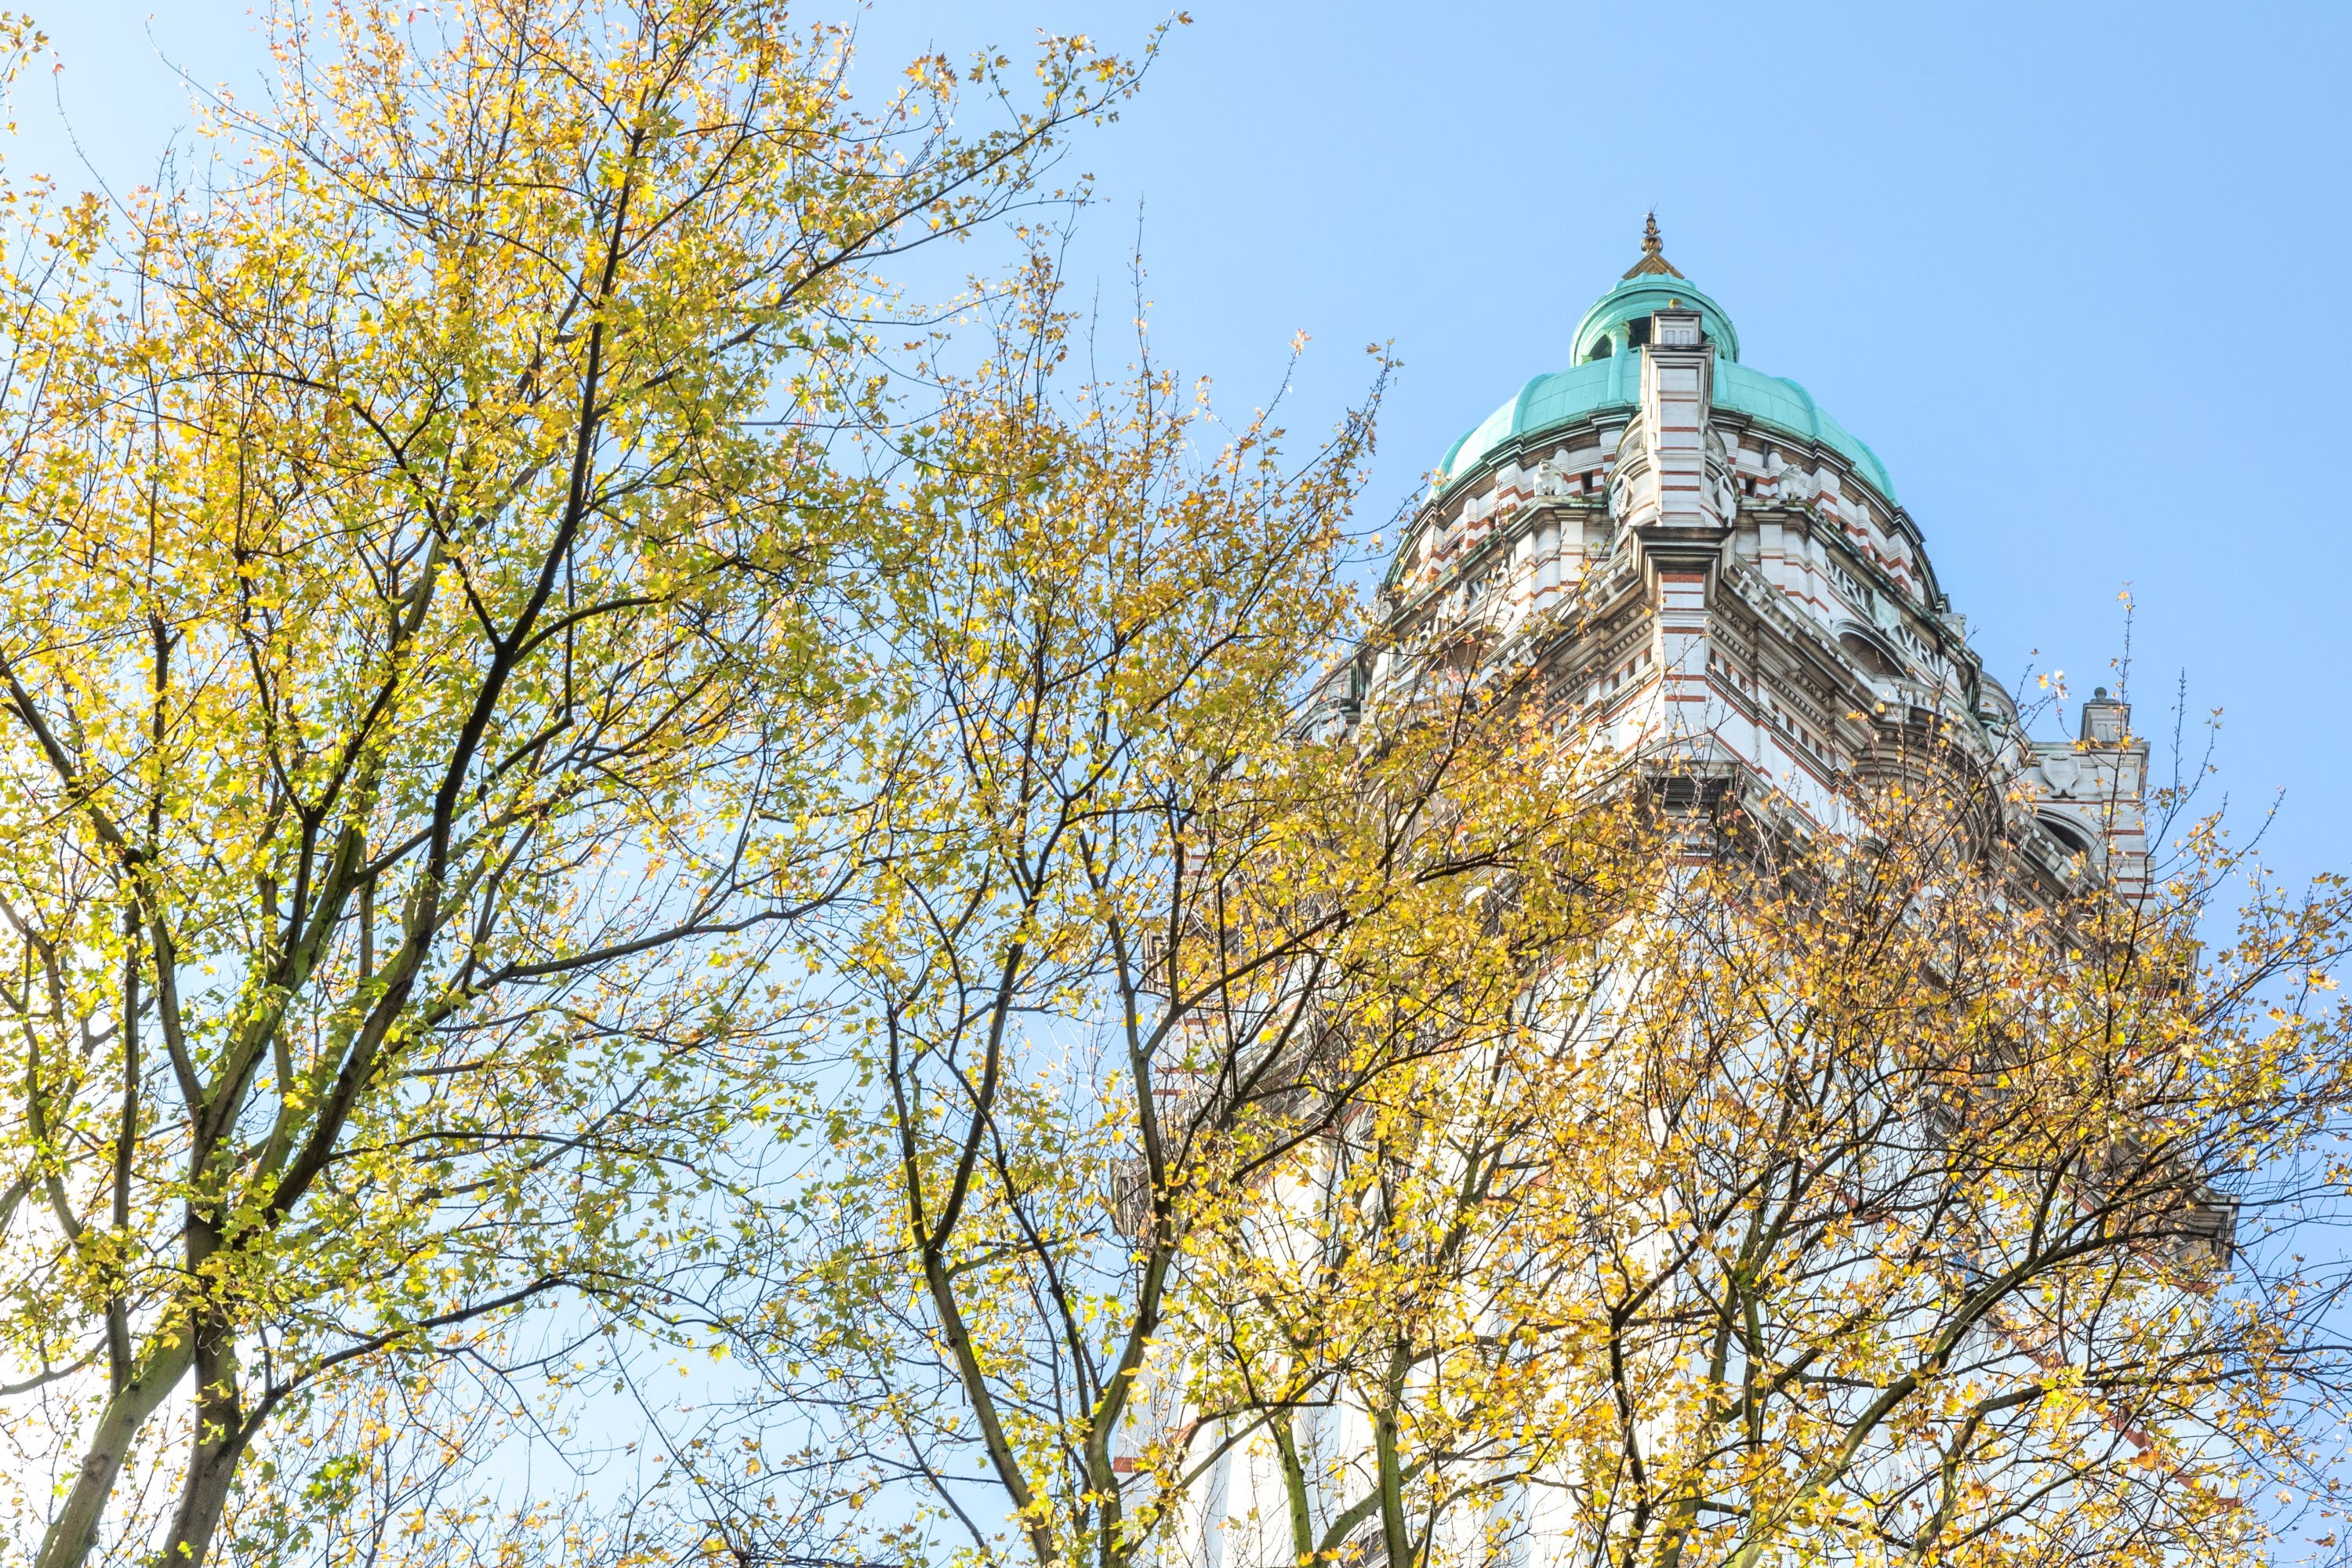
2077,272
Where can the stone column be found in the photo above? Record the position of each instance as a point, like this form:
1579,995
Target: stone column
1677,372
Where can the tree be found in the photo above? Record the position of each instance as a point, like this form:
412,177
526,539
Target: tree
1971,1209
435,558
1883,1211
1378,1350
1125,898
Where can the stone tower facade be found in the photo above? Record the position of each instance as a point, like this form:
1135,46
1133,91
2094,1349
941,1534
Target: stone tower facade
1720,578
1717,581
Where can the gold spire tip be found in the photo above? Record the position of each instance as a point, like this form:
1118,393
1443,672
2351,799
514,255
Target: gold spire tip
1653,253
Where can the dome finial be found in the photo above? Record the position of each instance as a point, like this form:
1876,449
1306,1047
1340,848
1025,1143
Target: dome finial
1653,252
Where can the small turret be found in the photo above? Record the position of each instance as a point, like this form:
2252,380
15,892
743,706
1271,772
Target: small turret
2106,719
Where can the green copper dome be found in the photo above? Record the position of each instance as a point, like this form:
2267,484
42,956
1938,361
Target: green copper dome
1607,377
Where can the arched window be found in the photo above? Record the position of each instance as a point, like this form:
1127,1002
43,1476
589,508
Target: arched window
1601,350
1873,658
2069,836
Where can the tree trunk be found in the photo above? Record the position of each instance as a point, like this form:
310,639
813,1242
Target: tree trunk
202,1502
1294,1484
222,1432
74,1533
1394,1535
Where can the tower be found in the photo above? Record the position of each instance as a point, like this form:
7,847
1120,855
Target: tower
1715,574
1688,561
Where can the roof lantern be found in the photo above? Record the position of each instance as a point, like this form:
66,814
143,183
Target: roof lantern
1652,284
